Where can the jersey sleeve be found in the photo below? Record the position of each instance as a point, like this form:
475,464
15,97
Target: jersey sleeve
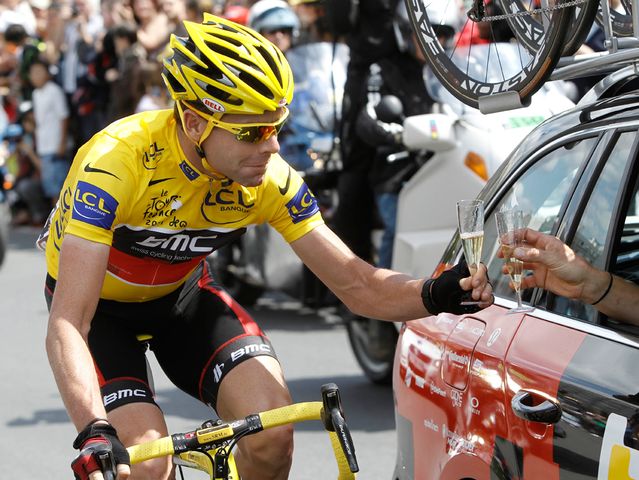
104,188
290,206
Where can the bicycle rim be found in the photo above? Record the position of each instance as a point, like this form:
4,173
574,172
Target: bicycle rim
457,69
621,20
528,29
583,18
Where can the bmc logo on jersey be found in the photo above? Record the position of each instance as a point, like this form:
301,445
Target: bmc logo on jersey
94,206
303,205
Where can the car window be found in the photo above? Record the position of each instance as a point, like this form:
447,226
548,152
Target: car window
627,262
595,223
540,192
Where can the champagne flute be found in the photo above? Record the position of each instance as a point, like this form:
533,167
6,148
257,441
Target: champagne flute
470,218
510,227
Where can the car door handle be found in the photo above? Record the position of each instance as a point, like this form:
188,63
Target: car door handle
535,407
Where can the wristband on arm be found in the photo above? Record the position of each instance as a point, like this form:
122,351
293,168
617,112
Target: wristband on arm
605,294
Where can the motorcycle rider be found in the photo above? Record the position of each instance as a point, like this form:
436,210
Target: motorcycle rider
370,39
400,76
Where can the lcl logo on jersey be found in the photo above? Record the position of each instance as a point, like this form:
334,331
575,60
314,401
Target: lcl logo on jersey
152,156
94,206
616,460
227,205
303,205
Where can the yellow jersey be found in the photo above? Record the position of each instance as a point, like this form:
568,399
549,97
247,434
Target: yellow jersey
132,187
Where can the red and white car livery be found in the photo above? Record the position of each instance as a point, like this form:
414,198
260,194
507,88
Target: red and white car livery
551,394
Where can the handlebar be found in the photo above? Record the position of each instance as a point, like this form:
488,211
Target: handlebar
329,411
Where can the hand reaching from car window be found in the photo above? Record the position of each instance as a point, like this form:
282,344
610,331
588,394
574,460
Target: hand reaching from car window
554,266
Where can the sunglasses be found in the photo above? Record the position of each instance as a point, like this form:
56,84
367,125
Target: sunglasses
249,132
285,31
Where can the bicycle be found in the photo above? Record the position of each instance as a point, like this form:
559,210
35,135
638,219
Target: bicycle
544,35
209,448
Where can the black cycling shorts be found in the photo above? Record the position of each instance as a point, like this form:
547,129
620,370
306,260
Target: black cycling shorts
198,335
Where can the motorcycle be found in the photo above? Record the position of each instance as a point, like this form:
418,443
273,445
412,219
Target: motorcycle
260,259
461,148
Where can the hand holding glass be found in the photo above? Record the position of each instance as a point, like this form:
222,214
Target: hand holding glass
510,228
470,218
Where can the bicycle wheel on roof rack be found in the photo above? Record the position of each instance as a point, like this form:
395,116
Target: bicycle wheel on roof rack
585,13
498,75
620,17
528,28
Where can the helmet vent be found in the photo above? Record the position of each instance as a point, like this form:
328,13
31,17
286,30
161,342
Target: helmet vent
176,86
266,55
254,83
225,52
217,93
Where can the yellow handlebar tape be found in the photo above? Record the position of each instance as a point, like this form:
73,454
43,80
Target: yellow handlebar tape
342,463
298,412
153,449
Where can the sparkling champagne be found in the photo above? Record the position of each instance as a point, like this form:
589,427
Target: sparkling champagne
472,243
513,265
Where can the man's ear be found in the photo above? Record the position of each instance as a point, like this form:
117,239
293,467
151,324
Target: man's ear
193,124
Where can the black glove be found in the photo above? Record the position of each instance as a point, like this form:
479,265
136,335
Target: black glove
100,449
443,294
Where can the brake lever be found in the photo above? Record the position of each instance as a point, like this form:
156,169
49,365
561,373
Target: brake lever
333,418
105,459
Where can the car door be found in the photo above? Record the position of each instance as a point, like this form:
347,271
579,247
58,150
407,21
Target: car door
572,391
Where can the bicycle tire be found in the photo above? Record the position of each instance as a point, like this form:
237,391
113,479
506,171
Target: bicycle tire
523,82
583,20
375,356
579,27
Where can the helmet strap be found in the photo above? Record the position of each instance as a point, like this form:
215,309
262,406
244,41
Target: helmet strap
210,171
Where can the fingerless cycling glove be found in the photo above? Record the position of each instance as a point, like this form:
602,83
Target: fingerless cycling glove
443,294
100,449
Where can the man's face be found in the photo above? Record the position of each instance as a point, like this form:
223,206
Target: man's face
242,162
282,38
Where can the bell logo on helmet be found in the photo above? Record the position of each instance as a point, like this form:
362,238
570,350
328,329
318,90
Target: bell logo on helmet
213,105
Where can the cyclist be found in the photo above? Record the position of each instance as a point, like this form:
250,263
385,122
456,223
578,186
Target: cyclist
146,200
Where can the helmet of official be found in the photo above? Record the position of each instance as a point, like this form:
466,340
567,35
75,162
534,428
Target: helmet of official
270,15
224,67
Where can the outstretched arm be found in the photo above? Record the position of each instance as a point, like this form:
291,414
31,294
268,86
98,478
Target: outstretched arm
369,291
557,268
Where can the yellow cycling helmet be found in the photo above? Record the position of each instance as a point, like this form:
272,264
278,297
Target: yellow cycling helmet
224,67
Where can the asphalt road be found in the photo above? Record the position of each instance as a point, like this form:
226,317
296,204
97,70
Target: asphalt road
36,434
